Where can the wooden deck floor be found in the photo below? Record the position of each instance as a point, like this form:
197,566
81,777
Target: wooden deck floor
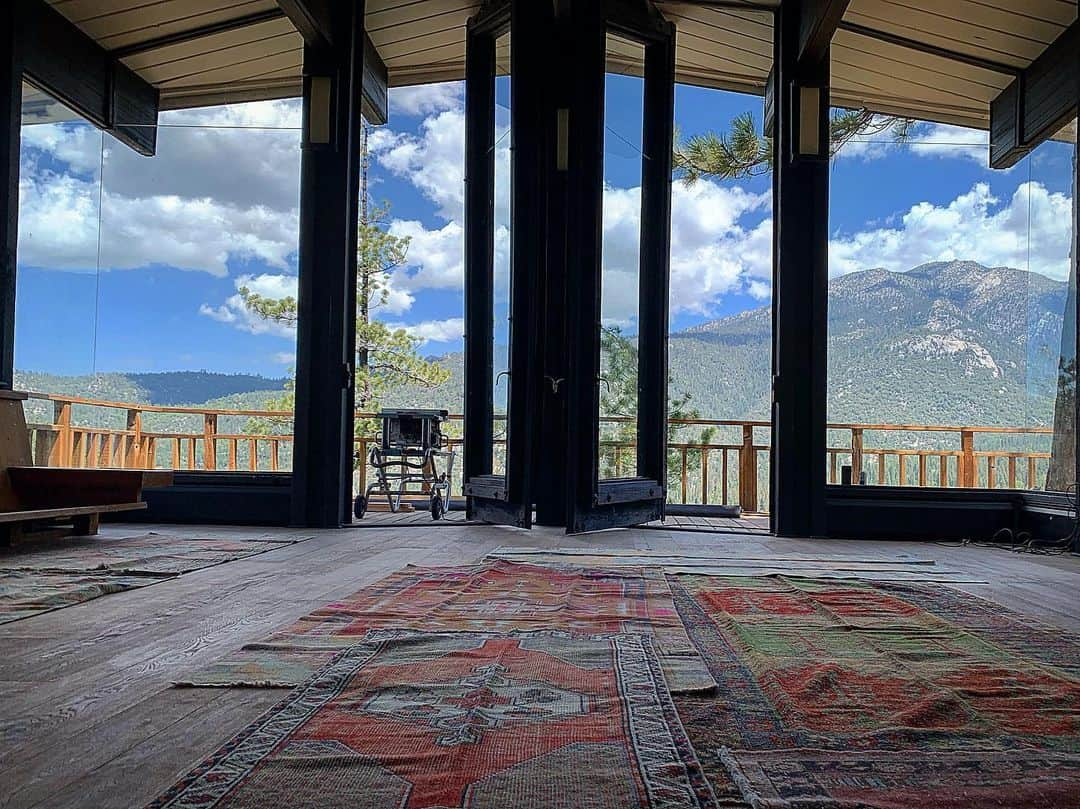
752,523
87,716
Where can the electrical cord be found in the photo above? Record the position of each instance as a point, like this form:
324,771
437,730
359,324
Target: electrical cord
1025,542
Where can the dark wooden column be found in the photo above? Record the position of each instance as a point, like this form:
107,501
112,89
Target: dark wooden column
654,294
10,121
800,283
325,340
479,250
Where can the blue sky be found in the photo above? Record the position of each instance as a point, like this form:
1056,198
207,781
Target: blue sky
133,264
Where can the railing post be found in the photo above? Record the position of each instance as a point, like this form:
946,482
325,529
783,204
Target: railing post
60,454
210,428
748,499
133,455
856,453
361,466
967,459
704,476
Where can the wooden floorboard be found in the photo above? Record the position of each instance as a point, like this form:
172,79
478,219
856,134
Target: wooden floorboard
87,714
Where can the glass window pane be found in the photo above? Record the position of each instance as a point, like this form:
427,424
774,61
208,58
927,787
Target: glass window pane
620,263
502,257
950,311
57,283
198,283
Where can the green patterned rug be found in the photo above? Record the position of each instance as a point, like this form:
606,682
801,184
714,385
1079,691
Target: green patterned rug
879,695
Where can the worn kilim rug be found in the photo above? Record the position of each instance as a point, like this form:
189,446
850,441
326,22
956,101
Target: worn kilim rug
879,695
538,720
144,554
26,593
493,597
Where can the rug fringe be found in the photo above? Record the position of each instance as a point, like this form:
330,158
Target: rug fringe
749,794
233,684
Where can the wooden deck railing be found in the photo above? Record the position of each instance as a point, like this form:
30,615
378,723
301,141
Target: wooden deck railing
730,468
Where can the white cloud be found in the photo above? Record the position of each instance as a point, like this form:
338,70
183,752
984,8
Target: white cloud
435,331
437,256
65,221
210,195
284,114
76,144
235,312
424,99
1031,230
925,140
433,161
945,141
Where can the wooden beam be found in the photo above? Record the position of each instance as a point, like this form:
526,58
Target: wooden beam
1038,103
10,123
314,19
375,105
818,21
192,34
926,47
70,66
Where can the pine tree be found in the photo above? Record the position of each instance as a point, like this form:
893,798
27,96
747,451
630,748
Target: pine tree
742,152
386,357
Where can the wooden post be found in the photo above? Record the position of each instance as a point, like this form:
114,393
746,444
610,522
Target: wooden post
62,447
856,453
210,428
362,464
748,498
724,477
967,459
683,470
133,455
704,476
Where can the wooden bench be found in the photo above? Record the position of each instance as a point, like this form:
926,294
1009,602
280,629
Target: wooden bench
39,501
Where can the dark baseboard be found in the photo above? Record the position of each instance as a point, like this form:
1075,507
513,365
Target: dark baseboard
218,498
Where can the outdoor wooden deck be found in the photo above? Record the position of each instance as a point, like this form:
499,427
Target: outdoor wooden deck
731,469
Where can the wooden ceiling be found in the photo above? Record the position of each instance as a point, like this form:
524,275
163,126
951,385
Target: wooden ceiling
249,50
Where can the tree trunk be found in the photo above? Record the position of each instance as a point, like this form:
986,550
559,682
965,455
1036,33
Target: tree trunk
1062,471
364,293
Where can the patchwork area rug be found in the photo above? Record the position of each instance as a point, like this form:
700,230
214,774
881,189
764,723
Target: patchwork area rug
149,553
879,695
870,570
537,720
494,597
41,577
26,593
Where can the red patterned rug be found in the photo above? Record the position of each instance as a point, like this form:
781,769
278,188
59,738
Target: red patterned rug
885,695
493,597
541,720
